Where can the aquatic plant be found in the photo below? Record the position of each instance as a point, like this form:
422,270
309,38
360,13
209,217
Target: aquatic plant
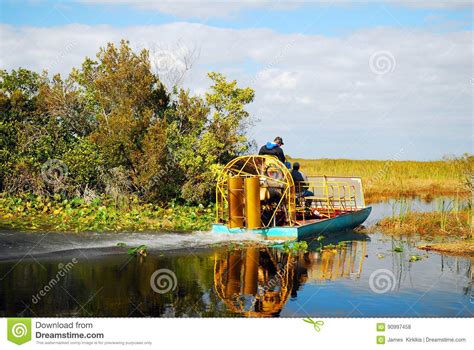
343,244
400,210
414,258
141,250
449,227
100,214
295,247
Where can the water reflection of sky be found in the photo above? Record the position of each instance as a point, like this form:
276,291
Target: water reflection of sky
437,285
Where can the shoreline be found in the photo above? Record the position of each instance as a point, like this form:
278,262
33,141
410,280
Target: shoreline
458,248
449,232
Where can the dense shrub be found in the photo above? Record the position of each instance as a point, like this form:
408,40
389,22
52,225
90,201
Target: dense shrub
111,127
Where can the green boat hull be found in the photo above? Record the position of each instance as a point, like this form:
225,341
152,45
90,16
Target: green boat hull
339,223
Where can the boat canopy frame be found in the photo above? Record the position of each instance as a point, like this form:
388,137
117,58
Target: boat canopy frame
272,174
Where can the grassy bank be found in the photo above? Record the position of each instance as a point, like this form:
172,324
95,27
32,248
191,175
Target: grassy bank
54,214
430,225
461,247
448,230
390,178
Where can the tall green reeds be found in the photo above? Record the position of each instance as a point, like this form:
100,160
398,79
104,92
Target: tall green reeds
400,209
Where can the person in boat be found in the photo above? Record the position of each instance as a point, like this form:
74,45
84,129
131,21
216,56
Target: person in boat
274,149
300,180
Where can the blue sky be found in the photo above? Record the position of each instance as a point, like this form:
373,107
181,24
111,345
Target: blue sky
317,67
336,19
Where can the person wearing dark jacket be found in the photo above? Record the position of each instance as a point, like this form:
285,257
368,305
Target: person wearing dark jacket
274,149
300,181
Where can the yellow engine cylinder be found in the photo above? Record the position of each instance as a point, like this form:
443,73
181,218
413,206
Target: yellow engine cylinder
236,201
252,202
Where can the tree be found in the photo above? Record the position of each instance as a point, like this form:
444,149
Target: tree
214,139
126,98
115,128
226,133
26,138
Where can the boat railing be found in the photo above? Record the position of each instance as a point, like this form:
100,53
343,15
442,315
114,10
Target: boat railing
327,197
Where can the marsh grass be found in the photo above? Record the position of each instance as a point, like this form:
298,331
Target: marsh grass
449,230
383,179
400,209
465,247
451,219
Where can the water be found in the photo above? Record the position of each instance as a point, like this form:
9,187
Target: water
191,275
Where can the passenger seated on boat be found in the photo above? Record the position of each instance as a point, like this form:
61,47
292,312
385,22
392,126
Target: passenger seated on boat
274,149
302,188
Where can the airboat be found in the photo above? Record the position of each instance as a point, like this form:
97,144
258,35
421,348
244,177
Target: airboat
257,194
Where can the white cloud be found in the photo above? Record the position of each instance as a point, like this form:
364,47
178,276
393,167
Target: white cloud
320,93
277,79
205,9
202,9
435,4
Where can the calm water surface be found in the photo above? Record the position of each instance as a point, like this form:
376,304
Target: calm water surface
189,275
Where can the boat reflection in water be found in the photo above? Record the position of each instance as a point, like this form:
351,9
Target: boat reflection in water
258,282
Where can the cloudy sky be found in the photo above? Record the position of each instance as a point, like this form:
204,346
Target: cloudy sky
365,80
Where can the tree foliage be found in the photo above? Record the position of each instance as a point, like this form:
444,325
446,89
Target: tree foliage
117,130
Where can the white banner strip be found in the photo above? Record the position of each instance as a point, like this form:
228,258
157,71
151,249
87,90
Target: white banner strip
225,333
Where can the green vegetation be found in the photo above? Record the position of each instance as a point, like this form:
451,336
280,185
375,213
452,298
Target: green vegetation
414,258
141,250
57,214
383,179
448,220
295,247
112,128
449,226
109,147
